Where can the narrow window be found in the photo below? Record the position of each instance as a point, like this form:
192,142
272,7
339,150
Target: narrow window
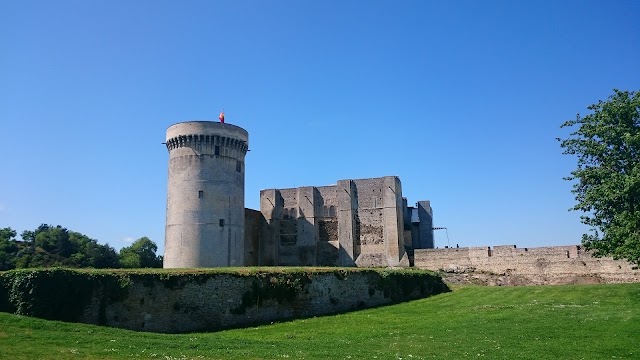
221,222
217,150
200,194
238,166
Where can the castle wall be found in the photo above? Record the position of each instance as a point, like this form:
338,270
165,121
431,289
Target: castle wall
257,232
424,232
271,208
188,301
288,235
379,222
329,198
393,222
328,246
353,223
347,196
369,222
201,302
554,264
308,202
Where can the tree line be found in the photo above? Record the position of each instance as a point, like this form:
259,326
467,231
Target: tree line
51,246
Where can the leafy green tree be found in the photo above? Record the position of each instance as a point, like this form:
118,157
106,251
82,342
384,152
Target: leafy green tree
7,234
607,179
26,256
55,240
30,236
50,245
8,249
101,256
141,254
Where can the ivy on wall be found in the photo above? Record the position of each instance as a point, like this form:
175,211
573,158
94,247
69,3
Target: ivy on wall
57,294
65,294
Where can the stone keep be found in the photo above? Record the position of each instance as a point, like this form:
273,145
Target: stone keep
205,195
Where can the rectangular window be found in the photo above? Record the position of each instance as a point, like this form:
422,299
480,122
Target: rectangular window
200,194
238,166
221,222
217,150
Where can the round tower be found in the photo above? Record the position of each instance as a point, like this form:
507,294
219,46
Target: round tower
205,196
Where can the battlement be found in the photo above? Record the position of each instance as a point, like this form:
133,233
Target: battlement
207,128
539,264
208,138
206,143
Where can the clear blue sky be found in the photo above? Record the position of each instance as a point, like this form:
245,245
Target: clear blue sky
461,99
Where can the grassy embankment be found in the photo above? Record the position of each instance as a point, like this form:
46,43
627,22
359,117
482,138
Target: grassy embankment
542,322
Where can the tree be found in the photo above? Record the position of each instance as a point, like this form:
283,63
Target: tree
607,178
141,254
8,249
30,236
55,240
52,245
7,234
101,256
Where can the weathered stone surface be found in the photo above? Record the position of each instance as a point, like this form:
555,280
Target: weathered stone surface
208,300
205,224
357,222
509,265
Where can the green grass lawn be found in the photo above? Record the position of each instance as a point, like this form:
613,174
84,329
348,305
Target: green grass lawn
533,322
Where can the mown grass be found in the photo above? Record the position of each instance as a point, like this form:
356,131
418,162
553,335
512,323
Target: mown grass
542,322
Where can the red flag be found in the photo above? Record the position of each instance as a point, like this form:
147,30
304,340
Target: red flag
221,117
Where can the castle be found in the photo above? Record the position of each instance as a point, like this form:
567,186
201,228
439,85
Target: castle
356,222
361,222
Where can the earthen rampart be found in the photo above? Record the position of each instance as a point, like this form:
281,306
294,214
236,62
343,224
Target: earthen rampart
175,302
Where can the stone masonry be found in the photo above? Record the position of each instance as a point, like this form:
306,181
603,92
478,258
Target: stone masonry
356,222
205,198
192,302
540,265
362,222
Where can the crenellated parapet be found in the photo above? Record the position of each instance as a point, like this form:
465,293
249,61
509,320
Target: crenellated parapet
508,264
206,142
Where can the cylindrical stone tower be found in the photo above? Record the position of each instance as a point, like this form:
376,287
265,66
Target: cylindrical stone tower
205,196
